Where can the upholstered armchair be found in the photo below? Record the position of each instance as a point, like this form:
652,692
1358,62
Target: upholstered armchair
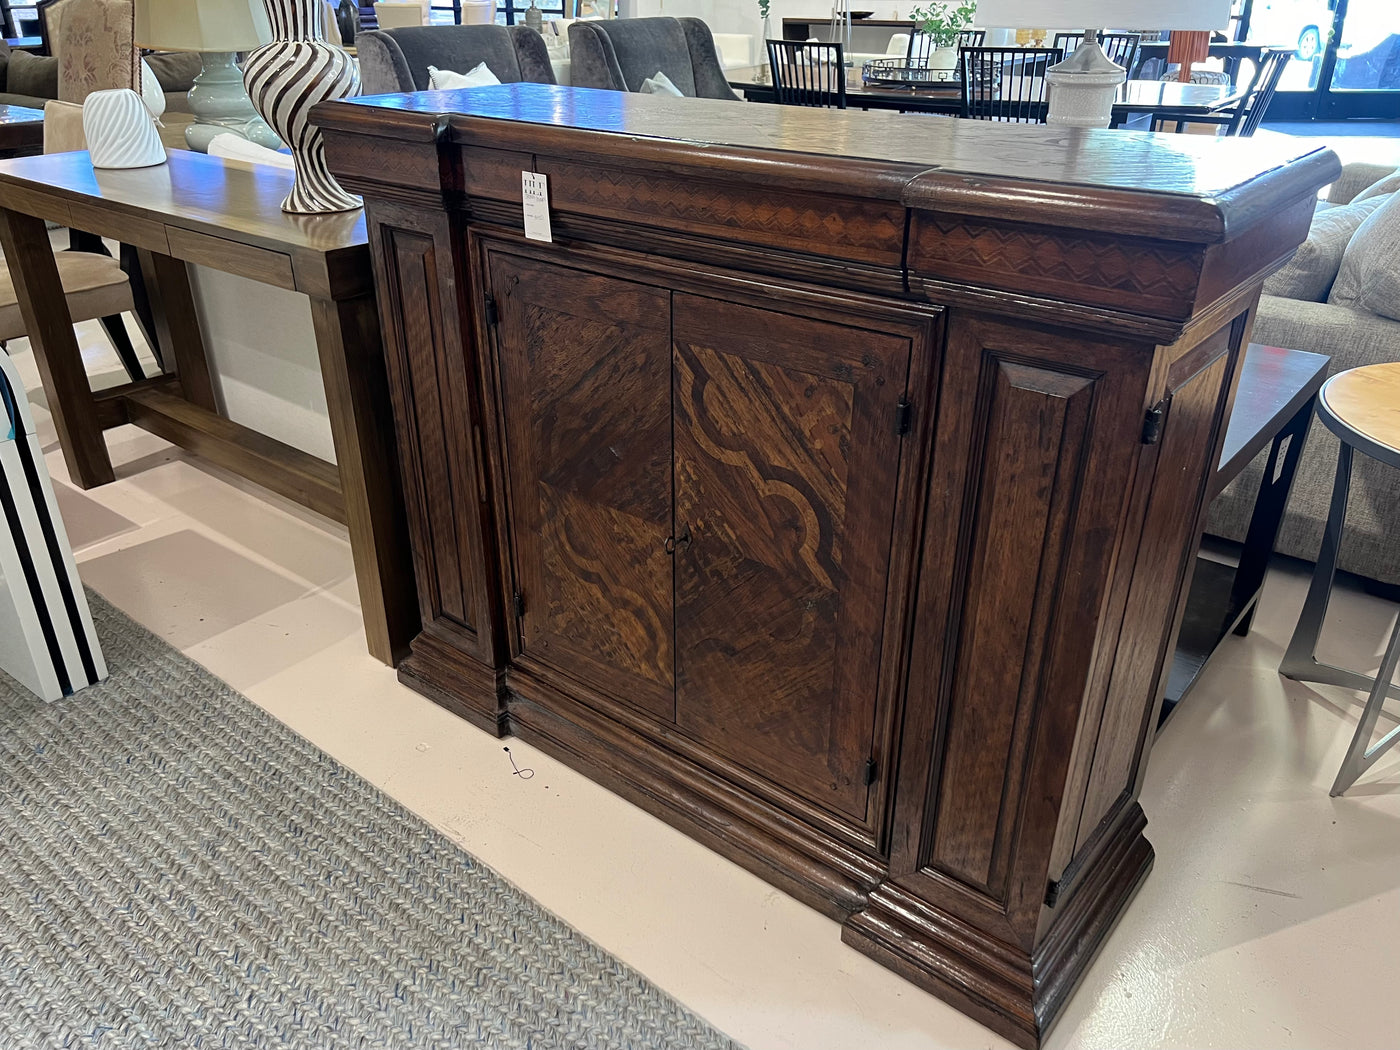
619,54
394,60
95,44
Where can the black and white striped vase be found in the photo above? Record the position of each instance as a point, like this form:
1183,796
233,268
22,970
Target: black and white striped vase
285,79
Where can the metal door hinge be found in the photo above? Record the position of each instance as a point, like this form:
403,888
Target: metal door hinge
493,316
870,768
518,603
904,416
1152,423
1052,893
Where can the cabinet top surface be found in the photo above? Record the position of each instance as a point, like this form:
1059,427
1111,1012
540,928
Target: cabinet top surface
921,153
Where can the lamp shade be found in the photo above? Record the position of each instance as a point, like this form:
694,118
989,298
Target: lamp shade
1075,14
202,25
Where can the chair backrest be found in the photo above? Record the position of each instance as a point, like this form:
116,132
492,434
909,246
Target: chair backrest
1252,107
1121,48
1006,83
618,54
394,60
398,15
95,44
971,38
806,73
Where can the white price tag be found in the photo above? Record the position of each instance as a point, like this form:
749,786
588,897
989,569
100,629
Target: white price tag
536,197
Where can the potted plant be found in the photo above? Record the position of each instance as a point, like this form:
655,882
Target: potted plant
938,24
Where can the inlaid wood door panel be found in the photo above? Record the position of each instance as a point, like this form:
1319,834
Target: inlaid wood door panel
787,455
585,369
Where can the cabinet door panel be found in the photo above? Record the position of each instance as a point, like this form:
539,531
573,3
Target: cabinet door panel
585,376
786,460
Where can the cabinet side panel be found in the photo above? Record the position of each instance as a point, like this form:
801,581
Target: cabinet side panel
1037,435
1031,452
427,373
1194,411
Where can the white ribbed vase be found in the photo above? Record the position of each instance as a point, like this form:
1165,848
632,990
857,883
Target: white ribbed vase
285,79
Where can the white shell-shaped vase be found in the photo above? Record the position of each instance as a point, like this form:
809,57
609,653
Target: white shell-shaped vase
120,131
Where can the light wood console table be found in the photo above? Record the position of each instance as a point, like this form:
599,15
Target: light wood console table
828,485
225,216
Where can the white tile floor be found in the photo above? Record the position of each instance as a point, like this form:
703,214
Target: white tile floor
1272,917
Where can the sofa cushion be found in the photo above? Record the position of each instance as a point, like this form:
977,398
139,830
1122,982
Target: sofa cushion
33,75
1313,268
1389,184
175,70
1369,278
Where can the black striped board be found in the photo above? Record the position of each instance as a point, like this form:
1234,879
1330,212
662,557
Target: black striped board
47,641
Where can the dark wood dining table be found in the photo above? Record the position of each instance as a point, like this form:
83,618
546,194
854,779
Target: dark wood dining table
1156,98
21,131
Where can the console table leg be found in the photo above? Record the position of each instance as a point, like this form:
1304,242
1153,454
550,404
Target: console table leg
44,308
167,282
362,425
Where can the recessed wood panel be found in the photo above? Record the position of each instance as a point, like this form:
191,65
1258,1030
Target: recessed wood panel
1031,447
786,459
585,370
440,488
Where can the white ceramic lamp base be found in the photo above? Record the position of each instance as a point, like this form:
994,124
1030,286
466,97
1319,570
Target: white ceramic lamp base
1083,86
220,104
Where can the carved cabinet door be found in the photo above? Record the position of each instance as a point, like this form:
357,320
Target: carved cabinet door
787,453
585,373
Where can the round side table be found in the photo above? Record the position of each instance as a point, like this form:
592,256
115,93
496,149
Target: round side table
1362,407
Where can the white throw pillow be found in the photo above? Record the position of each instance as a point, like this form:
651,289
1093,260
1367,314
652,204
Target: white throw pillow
446,80
660,84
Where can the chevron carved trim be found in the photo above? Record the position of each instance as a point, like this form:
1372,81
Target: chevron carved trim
1140,275
857,230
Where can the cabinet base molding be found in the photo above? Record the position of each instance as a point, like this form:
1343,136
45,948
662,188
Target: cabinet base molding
819,870
1013,992
468,689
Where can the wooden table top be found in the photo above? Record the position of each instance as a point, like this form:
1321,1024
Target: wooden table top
192,191
1367,400
1274,383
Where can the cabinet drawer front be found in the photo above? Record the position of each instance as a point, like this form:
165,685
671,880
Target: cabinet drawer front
786,458
585,380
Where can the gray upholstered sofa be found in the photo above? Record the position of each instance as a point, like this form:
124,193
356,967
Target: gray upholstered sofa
1308,311
395,60
619,54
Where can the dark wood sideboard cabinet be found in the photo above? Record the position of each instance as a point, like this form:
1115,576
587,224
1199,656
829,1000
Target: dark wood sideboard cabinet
828,483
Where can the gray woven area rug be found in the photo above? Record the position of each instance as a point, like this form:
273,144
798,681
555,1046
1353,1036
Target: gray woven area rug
179,869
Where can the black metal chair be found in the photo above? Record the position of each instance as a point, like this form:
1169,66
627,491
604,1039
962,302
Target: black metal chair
807,73
971,38
1245,117
1006,83
1119,47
